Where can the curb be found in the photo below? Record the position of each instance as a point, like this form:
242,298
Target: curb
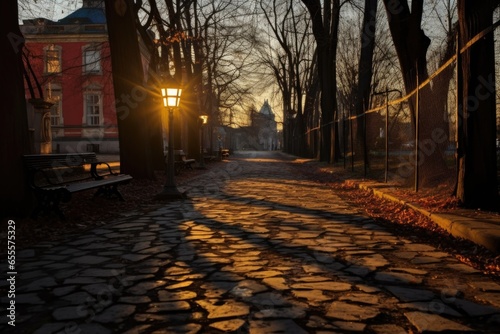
483,232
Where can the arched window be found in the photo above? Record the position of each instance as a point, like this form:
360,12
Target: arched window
92,104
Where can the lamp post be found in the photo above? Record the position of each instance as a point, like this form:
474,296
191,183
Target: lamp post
203,121
171,98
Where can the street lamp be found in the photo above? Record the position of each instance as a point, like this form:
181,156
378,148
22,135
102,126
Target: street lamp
203,121
171,99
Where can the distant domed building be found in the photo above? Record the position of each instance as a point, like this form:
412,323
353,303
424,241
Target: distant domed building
261,135
265,122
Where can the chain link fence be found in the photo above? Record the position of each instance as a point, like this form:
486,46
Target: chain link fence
403,146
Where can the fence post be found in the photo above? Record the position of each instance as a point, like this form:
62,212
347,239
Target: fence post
459,112
386,133
365,148
352,139
417,134
344,137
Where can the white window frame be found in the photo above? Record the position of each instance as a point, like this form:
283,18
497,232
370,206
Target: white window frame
54,95
92,106
91,58
52,60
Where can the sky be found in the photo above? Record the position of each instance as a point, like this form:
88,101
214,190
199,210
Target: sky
49,9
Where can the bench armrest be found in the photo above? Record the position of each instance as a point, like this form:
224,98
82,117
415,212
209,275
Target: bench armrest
95,174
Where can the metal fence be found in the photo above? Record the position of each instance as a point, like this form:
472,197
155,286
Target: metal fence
396,150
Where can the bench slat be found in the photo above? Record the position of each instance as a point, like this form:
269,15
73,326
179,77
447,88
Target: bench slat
49,161
70,177
76,187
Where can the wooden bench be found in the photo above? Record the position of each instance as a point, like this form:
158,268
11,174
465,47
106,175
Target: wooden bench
54,177
181,161
224,153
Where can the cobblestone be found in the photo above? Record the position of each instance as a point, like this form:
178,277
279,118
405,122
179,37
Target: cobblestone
256,248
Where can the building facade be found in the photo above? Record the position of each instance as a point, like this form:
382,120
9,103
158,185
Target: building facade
261,135
70,60
266,124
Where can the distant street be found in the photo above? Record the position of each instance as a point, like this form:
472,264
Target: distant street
257,248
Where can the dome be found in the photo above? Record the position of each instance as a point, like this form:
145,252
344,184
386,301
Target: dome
266,109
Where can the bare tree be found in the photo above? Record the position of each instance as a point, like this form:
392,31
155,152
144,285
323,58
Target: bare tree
365,71
206,46
231,69
325,23
411,45
136,119
291,64
477,174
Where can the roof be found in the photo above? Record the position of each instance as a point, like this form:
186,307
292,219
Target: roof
85,16
266,109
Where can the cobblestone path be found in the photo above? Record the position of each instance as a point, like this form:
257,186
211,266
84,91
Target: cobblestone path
257,249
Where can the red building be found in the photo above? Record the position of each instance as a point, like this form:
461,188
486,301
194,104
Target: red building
71,61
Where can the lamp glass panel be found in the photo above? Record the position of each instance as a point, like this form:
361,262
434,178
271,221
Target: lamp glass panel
171,96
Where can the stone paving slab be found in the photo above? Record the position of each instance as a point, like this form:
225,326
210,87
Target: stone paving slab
256,248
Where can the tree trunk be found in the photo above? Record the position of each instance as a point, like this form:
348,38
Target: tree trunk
325,28
153,80
365,71
477,175
13,120
193,58
411,45
134,119
309,112
301,137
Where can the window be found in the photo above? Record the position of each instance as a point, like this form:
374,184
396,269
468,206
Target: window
93,106
54,95
52,57
93,109
92,60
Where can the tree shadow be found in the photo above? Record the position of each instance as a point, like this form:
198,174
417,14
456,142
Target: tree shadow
233,256
288,261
